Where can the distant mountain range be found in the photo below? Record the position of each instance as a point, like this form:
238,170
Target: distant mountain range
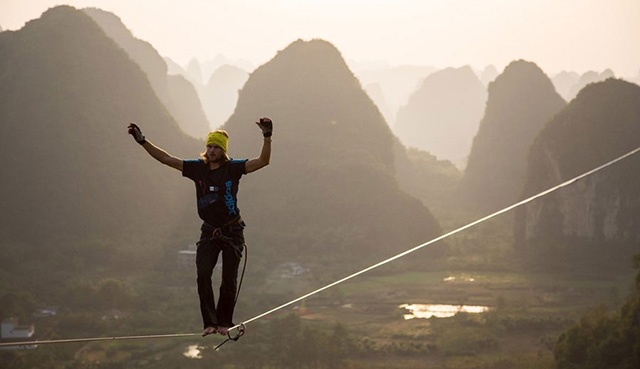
394,85
443,115
176,93
391,87
329,191
568,84
220,94
342,189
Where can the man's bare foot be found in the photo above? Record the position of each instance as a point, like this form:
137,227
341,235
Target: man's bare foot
223,330
209,330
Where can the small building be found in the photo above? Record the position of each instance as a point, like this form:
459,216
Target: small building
12,331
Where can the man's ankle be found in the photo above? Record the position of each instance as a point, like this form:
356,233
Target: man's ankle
209,330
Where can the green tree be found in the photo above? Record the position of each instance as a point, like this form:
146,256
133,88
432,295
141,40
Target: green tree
114,294
602,339
80,295
17,303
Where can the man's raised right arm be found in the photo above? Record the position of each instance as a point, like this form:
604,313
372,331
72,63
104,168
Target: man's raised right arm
153,150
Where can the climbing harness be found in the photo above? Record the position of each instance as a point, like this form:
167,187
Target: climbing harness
217,232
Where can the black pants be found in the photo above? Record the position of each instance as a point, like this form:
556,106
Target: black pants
231,244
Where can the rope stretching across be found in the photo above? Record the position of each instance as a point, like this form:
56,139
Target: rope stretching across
393,258
398,256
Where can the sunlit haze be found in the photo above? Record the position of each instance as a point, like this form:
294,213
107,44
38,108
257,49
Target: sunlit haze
576,35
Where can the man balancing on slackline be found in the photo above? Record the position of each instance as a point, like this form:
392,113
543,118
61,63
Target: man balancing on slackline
216,177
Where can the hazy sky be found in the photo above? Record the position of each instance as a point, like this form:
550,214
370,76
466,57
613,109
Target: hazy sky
578,35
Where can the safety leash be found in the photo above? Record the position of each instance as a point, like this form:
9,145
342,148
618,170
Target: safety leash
240,328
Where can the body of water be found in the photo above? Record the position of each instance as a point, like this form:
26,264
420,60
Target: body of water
426,311
193,352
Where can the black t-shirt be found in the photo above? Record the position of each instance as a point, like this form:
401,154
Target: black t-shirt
216,190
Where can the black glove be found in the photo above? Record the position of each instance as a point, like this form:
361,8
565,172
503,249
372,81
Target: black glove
135,131
266,125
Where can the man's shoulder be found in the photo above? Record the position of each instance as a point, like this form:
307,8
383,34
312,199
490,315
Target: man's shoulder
237,167
236,163
192,166
194,162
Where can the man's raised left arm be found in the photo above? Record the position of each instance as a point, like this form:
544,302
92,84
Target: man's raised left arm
262,161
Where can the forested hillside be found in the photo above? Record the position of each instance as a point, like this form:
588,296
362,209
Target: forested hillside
595,220
78,194
331,183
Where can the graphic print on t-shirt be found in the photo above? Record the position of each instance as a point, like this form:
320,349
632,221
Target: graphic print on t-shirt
209,194
229,200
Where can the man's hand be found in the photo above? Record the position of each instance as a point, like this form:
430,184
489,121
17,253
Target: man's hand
266,125
135,131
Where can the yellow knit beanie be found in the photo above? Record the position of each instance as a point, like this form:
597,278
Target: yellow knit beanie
219,138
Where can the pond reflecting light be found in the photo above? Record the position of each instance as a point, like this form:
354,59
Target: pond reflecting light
193,352
426,311
461,278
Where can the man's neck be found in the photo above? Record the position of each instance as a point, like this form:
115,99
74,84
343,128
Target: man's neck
217,164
